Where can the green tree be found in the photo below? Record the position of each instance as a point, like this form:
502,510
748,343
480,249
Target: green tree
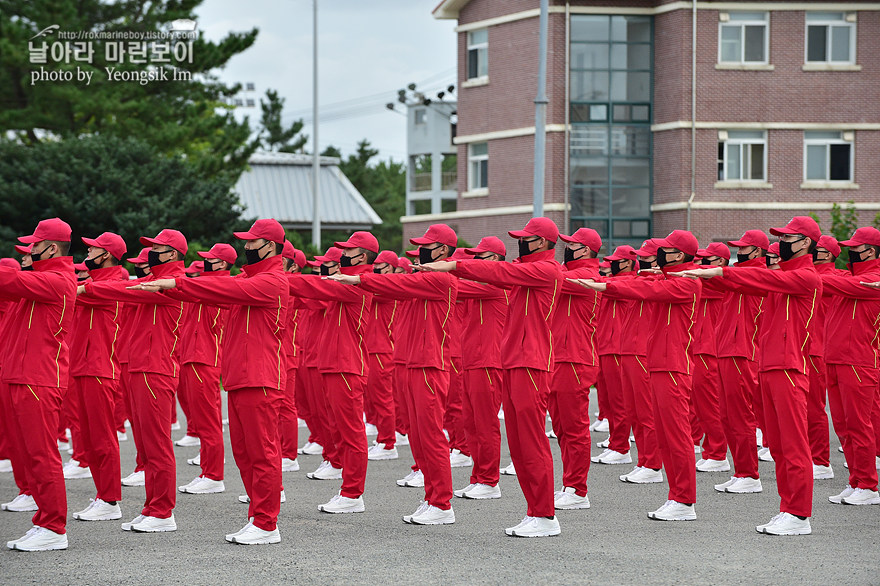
274,136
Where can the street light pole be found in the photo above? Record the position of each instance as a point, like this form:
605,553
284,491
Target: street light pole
316,161
540,115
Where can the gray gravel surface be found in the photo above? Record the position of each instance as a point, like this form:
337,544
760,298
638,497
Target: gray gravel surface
611,543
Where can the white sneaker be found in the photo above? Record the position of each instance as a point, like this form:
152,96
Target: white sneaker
862,496
713,466
77,473
674,511
134,479
155,525
642,475
483,492
229,536
459,460
837,499
188,441
764,455
41,539
253,535
600,425
612,457
400,439
759,437
603,444
760,528
5,465
121,436
325,471
721,487
551,434
288,465
23,503
787,524
417,480
197,461
509,470
11,544
175,426
370,429
342,504
133,522
311,449
63,446
568,500
535,527
595,459
407,478
423,506
203,485
433,516
460,493
99,510
510,530
300,422
744,485
822,472
378,452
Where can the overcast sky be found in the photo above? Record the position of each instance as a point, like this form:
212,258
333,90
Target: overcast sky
368,49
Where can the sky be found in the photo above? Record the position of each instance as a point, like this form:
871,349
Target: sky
367,50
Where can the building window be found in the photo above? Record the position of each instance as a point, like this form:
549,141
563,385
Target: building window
478,162
827,157
830,38
742,155
478,53
420,116
744,38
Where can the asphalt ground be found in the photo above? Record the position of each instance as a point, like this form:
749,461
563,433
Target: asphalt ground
611,543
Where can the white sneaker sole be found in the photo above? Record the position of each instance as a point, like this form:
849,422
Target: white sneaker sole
571,507
107,517
552,533
340,511
266,541
482,497
870,502
208,491
380,457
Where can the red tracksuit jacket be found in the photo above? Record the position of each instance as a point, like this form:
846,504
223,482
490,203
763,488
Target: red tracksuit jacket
792,296
636,317
610,322
672,313
574,319
37,352
736,326
485,314
427,322
709,309
854,320
95,336
202,329
378,336
817,324
536,285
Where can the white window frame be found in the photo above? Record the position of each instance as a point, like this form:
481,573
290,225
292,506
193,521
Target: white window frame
741,24
482,48
474,166
827,142
744,165
828,23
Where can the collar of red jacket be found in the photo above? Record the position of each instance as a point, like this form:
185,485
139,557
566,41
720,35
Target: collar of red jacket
801,262
273,263
866,266
539,256
167,270
105,274
592,263
358,270
214,274
58,263
826,268
758,262
685,266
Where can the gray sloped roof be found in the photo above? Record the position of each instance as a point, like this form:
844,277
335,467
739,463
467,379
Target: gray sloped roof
279,185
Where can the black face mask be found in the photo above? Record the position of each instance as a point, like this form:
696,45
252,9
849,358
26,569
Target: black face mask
140,272
740,257
92,263
645,265
426,255
153,258
567,255
28,268
209,267
38,256
662,258
854,256
785,249
325,271
377,271
345,261
768,261
616,266
81,279
253,256
525,248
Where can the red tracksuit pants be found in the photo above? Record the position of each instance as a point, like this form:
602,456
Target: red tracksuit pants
34,418
427,389
706,398
20,472
125,384
525,399
96,398
785,418
569,405
253,433
345,396
320,408
303,408
401,408
186,397
853,394
671,417
453,421
201,383
482,399
739,385
380,395
152,395
615,407
758,404
120,412
636,383
70,409
288,420
817,417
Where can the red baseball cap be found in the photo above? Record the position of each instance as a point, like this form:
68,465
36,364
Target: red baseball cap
800,225
715,249
141,258
866,235
461,254
605,264
360,240
543,227
23,249
649,247
830,244
388,257
403,263
774,249
195,266
222,251
267,228
752,238
288,251
413,253
10,263
112,243
680,240
167,237
440,233
623,252
80,266
333,254
586,236
489,244
52,229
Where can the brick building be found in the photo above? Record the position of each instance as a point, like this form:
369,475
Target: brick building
787,116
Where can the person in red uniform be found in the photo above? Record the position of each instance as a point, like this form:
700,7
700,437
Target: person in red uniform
5,306
401,411
575,367
536,285
453,422
201,335
253,368
154,370
484,315
295,405
427,360
33,388
792,295
672,305
95,377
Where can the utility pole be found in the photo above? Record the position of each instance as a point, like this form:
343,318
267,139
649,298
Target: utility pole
316,161
540,115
